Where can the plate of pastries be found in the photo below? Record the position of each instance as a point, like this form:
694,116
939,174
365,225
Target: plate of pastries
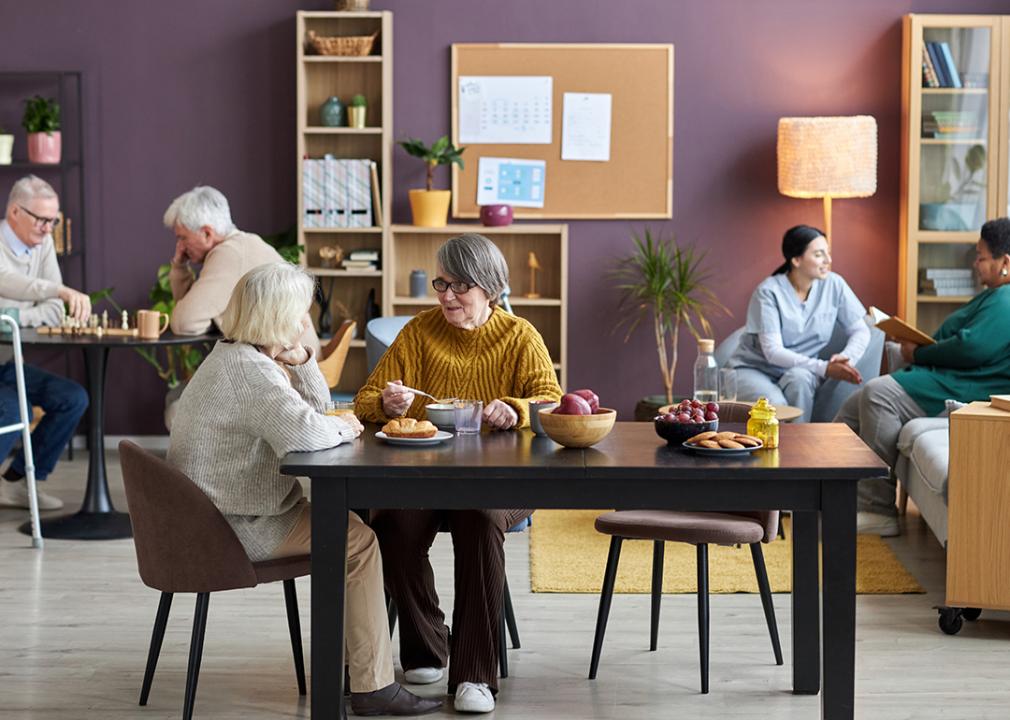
723,443
408,431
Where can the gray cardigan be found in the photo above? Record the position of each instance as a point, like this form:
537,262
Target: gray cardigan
239,415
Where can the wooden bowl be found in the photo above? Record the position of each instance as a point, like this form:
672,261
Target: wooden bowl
578,431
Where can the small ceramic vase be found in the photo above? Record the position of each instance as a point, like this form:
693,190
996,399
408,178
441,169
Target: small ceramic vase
331,113
496,215
418,284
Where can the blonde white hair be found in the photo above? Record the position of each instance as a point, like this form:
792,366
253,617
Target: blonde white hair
27,189
203,205
268,304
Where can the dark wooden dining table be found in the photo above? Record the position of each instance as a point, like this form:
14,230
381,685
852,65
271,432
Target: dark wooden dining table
813,473
97,519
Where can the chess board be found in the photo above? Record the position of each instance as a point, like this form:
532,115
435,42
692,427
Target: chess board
75,331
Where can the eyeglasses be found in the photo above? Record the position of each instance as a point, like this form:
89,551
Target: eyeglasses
458,287
41,221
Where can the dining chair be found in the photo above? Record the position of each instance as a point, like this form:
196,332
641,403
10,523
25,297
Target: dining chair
333,357
696,528
185,545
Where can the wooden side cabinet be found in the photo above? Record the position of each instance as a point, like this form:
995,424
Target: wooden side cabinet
978,506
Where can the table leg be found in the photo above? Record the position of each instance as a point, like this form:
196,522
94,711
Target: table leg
806,605
97,519
329,572
838,528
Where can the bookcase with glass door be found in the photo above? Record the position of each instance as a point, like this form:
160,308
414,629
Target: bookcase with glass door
953,156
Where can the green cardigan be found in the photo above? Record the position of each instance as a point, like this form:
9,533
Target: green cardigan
970,359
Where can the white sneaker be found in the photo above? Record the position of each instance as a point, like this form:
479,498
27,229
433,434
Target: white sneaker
423,676
869,523
474,698
15,494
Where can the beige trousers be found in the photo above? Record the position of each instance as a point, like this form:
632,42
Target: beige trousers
366,628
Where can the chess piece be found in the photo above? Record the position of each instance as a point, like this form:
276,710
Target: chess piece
105,319
125,320
534,266
93,322
100,332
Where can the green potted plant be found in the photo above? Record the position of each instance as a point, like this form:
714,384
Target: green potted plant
42,122
356,112
430,208
6,146
664,283
957,203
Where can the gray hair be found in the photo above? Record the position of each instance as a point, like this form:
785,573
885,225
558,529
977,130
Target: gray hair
28,188
478,261
268,304
203,205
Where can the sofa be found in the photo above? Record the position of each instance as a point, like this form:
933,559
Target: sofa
921,469
830,395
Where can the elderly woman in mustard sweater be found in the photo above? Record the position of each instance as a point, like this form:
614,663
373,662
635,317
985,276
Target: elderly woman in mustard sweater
466,347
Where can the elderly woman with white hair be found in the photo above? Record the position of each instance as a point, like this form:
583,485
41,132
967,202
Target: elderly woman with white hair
205,235
466,347
258,396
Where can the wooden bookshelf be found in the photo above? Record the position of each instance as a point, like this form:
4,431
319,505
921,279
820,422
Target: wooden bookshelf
941,213
414,248
317,78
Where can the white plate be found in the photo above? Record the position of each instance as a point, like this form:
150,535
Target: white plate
439,436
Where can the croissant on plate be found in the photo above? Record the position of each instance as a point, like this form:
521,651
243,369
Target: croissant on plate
409,428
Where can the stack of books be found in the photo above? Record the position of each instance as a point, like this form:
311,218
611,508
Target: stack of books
340,193
952,124
938,68
361,260
947,282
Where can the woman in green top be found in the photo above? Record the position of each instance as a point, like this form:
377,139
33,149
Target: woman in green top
969,361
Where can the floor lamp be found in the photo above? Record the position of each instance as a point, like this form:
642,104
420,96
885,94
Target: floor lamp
827,157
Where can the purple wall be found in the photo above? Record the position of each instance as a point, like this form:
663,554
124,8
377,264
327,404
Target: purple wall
203,92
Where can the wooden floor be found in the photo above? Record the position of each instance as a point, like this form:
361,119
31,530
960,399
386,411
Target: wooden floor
75,622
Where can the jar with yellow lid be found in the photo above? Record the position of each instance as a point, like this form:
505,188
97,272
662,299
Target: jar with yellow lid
763,424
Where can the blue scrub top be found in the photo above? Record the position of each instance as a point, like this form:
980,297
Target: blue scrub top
806,327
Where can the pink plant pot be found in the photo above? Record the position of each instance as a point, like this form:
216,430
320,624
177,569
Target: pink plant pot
44,148
496,215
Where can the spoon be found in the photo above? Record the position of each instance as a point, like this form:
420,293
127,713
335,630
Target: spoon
421,392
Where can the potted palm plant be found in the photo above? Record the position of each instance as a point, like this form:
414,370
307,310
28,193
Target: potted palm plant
42,122
664,283
430,208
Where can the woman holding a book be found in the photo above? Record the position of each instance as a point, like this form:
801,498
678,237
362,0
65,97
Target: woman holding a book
969,360
790,319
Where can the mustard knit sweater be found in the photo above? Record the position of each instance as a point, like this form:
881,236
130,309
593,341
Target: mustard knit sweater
504,359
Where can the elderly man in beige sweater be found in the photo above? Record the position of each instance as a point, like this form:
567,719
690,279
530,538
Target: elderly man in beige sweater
205,234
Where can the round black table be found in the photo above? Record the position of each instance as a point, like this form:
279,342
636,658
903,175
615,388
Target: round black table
97,519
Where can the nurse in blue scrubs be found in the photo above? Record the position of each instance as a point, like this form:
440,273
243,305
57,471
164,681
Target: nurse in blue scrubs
790,319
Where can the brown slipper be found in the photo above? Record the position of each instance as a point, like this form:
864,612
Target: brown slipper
392,700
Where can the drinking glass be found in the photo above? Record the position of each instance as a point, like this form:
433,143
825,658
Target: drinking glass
727,385
467,414
535,407
340,407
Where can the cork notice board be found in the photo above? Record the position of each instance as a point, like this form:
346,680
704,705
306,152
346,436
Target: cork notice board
637,181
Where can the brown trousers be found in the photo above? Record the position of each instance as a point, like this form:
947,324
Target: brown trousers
478,537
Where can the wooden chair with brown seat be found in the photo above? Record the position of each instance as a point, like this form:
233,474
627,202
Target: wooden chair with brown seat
333,357
185,545
699,529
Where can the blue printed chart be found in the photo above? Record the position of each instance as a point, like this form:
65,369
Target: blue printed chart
511,181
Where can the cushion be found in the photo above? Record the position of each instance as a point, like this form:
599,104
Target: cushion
916,427
674,526
929,456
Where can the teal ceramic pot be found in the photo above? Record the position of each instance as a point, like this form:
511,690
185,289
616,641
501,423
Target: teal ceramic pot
332,113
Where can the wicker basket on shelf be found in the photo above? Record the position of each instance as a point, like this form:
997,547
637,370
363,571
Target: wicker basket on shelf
352,45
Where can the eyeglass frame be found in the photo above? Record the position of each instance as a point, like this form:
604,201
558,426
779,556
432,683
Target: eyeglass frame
435,282
40,221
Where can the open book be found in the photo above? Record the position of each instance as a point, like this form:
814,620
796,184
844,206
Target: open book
899,329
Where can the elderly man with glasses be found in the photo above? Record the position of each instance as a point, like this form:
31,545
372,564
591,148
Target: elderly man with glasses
31,283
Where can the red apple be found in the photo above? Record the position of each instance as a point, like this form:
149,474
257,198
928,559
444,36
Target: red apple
572,404
590,397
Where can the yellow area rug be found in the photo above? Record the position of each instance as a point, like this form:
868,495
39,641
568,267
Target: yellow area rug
567,555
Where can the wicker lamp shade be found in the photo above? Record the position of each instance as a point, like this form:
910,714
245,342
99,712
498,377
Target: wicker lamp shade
827,157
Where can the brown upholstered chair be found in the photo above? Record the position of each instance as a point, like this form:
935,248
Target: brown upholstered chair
184,545
699,529
333,357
